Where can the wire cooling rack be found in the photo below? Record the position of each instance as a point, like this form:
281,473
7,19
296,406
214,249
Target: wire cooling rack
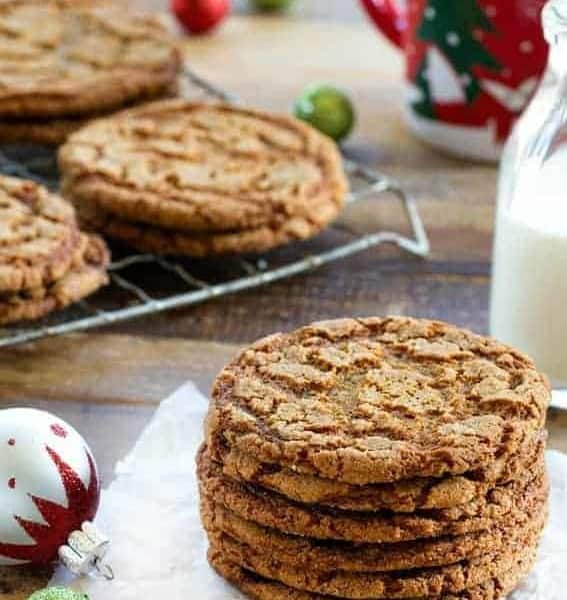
143,284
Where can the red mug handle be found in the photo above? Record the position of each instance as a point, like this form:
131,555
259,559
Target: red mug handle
388,18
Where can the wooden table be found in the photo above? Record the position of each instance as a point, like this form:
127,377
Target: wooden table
108,383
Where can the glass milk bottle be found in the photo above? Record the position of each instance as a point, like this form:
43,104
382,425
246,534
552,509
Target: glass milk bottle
529,285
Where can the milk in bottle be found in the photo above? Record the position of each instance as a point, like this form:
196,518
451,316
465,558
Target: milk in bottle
529,285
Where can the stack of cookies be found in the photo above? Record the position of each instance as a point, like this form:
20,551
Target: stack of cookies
46,262
375,458
63,62
174,177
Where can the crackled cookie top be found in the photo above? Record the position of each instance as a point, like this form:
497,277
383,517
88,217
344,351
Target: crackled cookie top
61,57
375,400
204,168
38,235
86,274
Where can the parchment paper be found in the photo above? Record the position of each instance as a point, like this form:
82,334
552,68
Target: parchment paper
150,512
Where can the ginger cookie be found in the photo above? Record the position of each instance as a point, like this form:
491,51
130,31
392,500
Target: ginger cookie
19,583
53,131
318,556
260,588
72,58
435,581
205,168
38,236
501,505
46,132
198,244
400,496
86,275
377,400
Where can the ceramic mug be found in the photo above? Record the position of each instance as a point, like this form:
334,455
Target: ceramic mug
471,67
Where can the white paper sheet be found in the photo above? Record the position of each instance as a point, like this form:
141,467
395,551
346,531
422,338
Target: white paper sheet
150,512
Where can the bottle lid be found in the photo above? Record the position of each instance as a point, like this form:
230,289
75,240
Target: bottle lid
554,18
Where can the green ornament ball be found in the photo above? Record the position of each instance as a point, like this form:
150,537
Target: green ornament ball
272,5
58,593
328,109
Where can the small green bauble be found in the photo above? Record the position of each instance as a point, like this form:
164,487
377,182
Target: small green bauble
272,5
328,109
57,593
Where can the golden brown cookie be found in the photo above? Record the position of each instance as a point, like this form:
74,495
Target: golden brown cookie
48,132
377,400
324,556
501,505
86,275
205,168
38,235
54,131
399,496
432,582
198,244
71,58
260,588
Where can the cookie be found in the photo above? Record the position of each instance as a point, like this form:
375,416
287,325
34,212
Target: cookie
206,168
260,588
501,505
63,58
52,132
323,556
400,496
377,400
419,583
169,242
19,583
38,235
86,275
47,132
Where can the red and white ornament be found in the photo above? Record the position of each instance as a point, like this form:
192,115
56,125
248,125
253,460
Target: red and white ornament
49,489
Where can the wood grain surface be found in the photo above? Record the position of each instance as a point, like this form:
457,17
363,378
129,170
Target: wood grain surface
108,383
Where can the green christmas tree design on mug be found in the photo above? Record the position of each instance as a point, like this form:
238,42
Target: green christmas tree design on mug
451,27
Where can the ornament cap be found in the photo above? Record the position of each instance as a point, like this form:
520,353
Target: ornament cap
85,551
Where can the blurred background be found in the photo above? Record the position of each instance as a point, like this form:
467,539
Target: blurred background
346,10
